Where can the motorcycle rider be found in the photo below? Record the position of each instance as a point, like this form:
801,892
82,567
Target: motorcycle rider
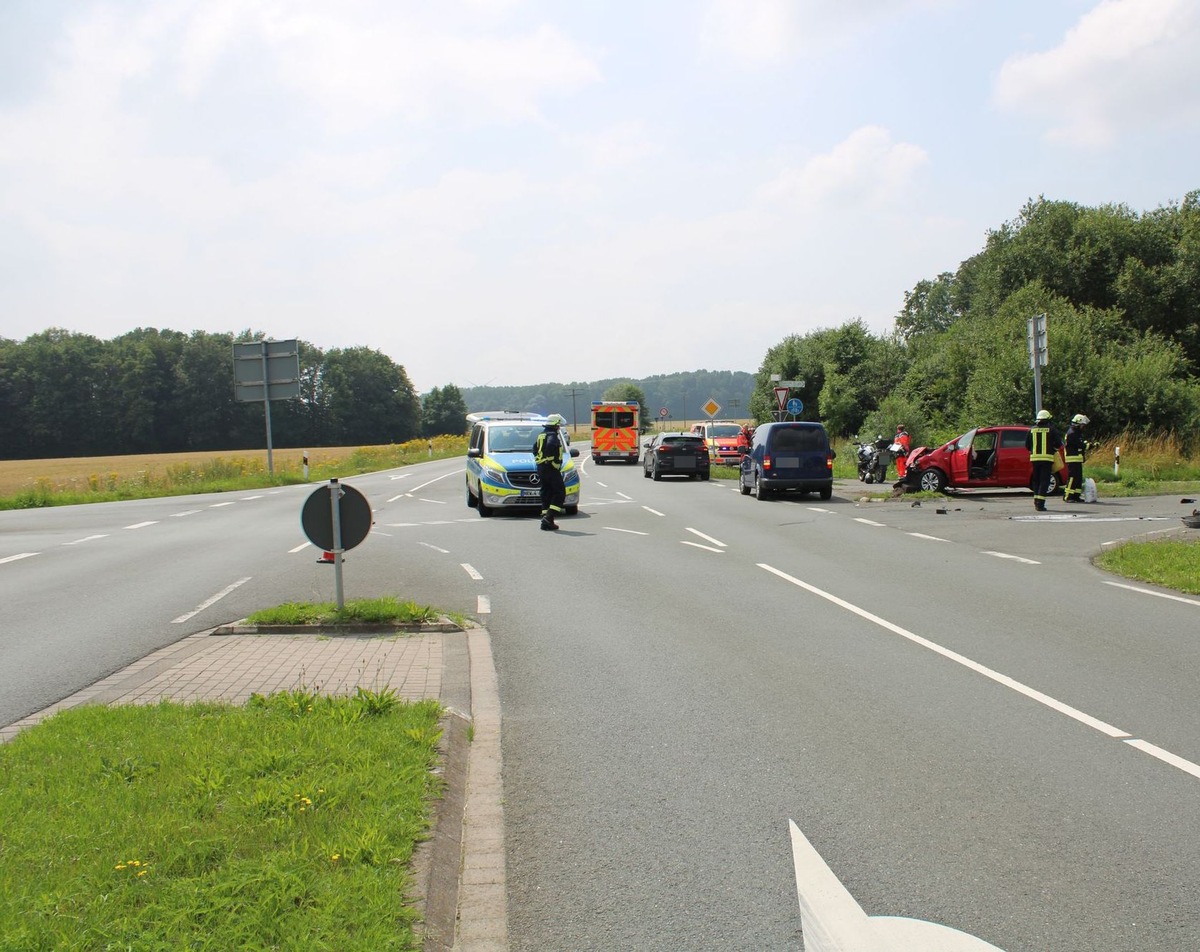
1076,452
1043,443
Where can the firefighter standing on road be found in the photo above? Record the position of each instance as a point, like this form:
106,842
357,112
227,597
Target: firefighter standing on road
1043,443
548,453
1076,450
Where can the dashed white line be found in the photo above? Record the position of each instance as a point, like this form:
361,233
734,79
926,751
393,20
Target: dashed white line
483,605
1166,757
19,555
142,525
440,502
653,512
435,548
205,604
869,522
186,512
623,496
922,535
697,545
1147,591
248,498
819,509
299,548
86,539
706,538
219,505
470,570
1015,558
630,531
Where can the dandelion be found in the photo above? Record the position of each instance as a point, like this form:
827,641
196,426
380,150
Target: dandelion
335,857
143,872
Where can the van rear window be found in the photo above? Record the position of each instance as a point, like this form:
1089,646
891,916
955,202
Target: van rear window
799,439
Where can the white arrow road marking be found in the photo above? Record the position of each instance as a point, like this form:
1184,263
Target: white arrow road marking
630,531
922,535
697,545
706,538
483,605
20,555
1146,591
833,921
470,570
212,601
142,525
1034,695
87,539
1015,558
653,512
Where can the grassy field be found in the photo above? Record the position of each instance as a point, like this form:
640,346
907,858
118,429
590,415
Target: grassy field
287,823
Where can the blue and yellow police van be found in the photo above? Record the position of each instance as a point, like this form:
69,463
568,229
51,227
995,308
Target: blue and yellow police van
501,473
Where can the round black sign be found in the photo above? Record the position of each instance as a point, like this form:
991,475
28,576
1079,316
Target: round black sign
354,515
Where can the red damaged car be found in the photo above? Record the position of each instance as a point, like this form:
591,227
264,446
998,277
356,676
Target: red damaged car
988,457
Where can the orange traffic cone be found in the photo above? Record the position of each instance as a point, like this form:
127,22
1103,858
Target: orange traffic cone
325,559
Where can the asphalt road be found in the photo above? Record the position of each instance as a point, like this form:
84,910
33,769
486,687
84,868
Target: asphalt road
969,722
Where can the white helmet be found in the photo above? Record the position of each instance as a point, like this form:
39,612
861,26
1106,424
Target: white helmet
1080,420
1043,414
555,419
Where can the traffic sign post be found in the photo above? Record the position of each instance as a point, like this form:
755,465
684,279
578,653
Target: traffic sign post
336,518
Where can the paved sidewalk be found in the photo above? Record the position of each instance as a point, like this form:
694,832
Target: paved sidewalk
460,870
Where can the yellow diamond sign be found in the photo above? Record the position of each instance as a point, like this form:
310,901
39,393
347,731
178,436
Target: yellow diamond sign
711,407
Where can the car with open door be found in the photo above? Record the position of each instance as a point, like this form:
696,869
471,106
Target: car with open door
987,457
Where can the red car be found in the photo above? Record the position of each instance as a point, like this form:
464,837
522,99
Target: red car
988,457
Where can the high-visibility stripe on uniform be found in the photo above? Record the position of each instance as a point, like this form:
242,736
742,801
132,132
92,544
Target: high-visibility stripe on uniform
1041,443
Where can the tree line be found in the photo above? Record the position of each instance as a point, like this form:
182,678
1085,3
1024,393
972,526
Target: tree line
162,391
1121,295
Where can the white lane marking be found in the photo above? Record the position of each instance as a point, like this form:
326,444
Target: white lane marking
598,483
440,502
922,535
1166,757
186,512
417,489
87,539
436,548
400,476
706,538
653,512
299,548
819,509
142,525
483,605
1015,558
19,555
623,496
697,545
248,498
1146,591
218,505
212,601
954,656
869,522
470,570
630,531
833,921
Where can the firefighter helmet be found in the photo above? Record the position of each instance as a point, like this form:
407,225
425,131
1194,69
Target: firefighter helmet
555,419
1043,414
1080,420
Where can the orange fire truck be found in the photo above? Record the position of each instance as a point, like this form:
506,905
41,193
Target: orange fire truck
615,430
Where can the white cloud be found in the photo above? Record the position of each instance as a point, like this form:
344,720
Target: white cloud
866,170
1125,65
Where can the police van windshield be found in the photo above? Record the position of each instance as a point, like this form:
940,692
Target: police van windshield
512,439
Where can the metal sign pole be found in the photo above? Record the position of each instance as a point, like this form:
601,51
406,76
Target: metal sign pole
335,505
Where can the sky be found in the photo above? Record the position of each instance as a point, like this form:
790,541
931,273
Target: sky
511,192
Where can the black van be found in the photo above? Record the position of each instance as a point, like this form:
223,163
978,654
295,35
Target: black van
788,456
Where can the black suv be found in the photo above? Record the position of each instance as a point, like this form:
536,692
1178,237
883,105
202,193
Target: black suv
675,454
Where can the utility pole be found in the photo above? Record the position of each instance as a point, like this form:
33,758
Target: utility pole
574,415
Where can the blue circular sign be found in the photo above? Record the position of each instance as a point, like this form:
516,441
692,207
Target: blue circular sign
795,406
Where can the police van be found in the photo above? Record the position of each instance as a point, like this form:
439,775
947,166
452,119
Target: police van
501,473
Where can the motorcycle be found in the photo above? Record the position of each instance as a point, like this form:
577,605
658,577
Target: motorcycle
863,453
879,460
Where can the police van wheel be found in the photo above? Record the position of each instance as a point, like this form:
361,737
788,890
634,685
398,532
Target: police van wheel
572,510
482,507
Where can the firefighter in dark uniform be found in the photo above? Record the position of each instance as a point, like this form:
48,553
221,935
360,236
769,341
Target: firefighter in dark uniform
1043,443
1076,451
548,453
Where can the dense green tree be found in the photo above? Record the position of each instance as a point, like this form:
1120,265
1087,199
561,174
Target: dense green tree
443,411
368,398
